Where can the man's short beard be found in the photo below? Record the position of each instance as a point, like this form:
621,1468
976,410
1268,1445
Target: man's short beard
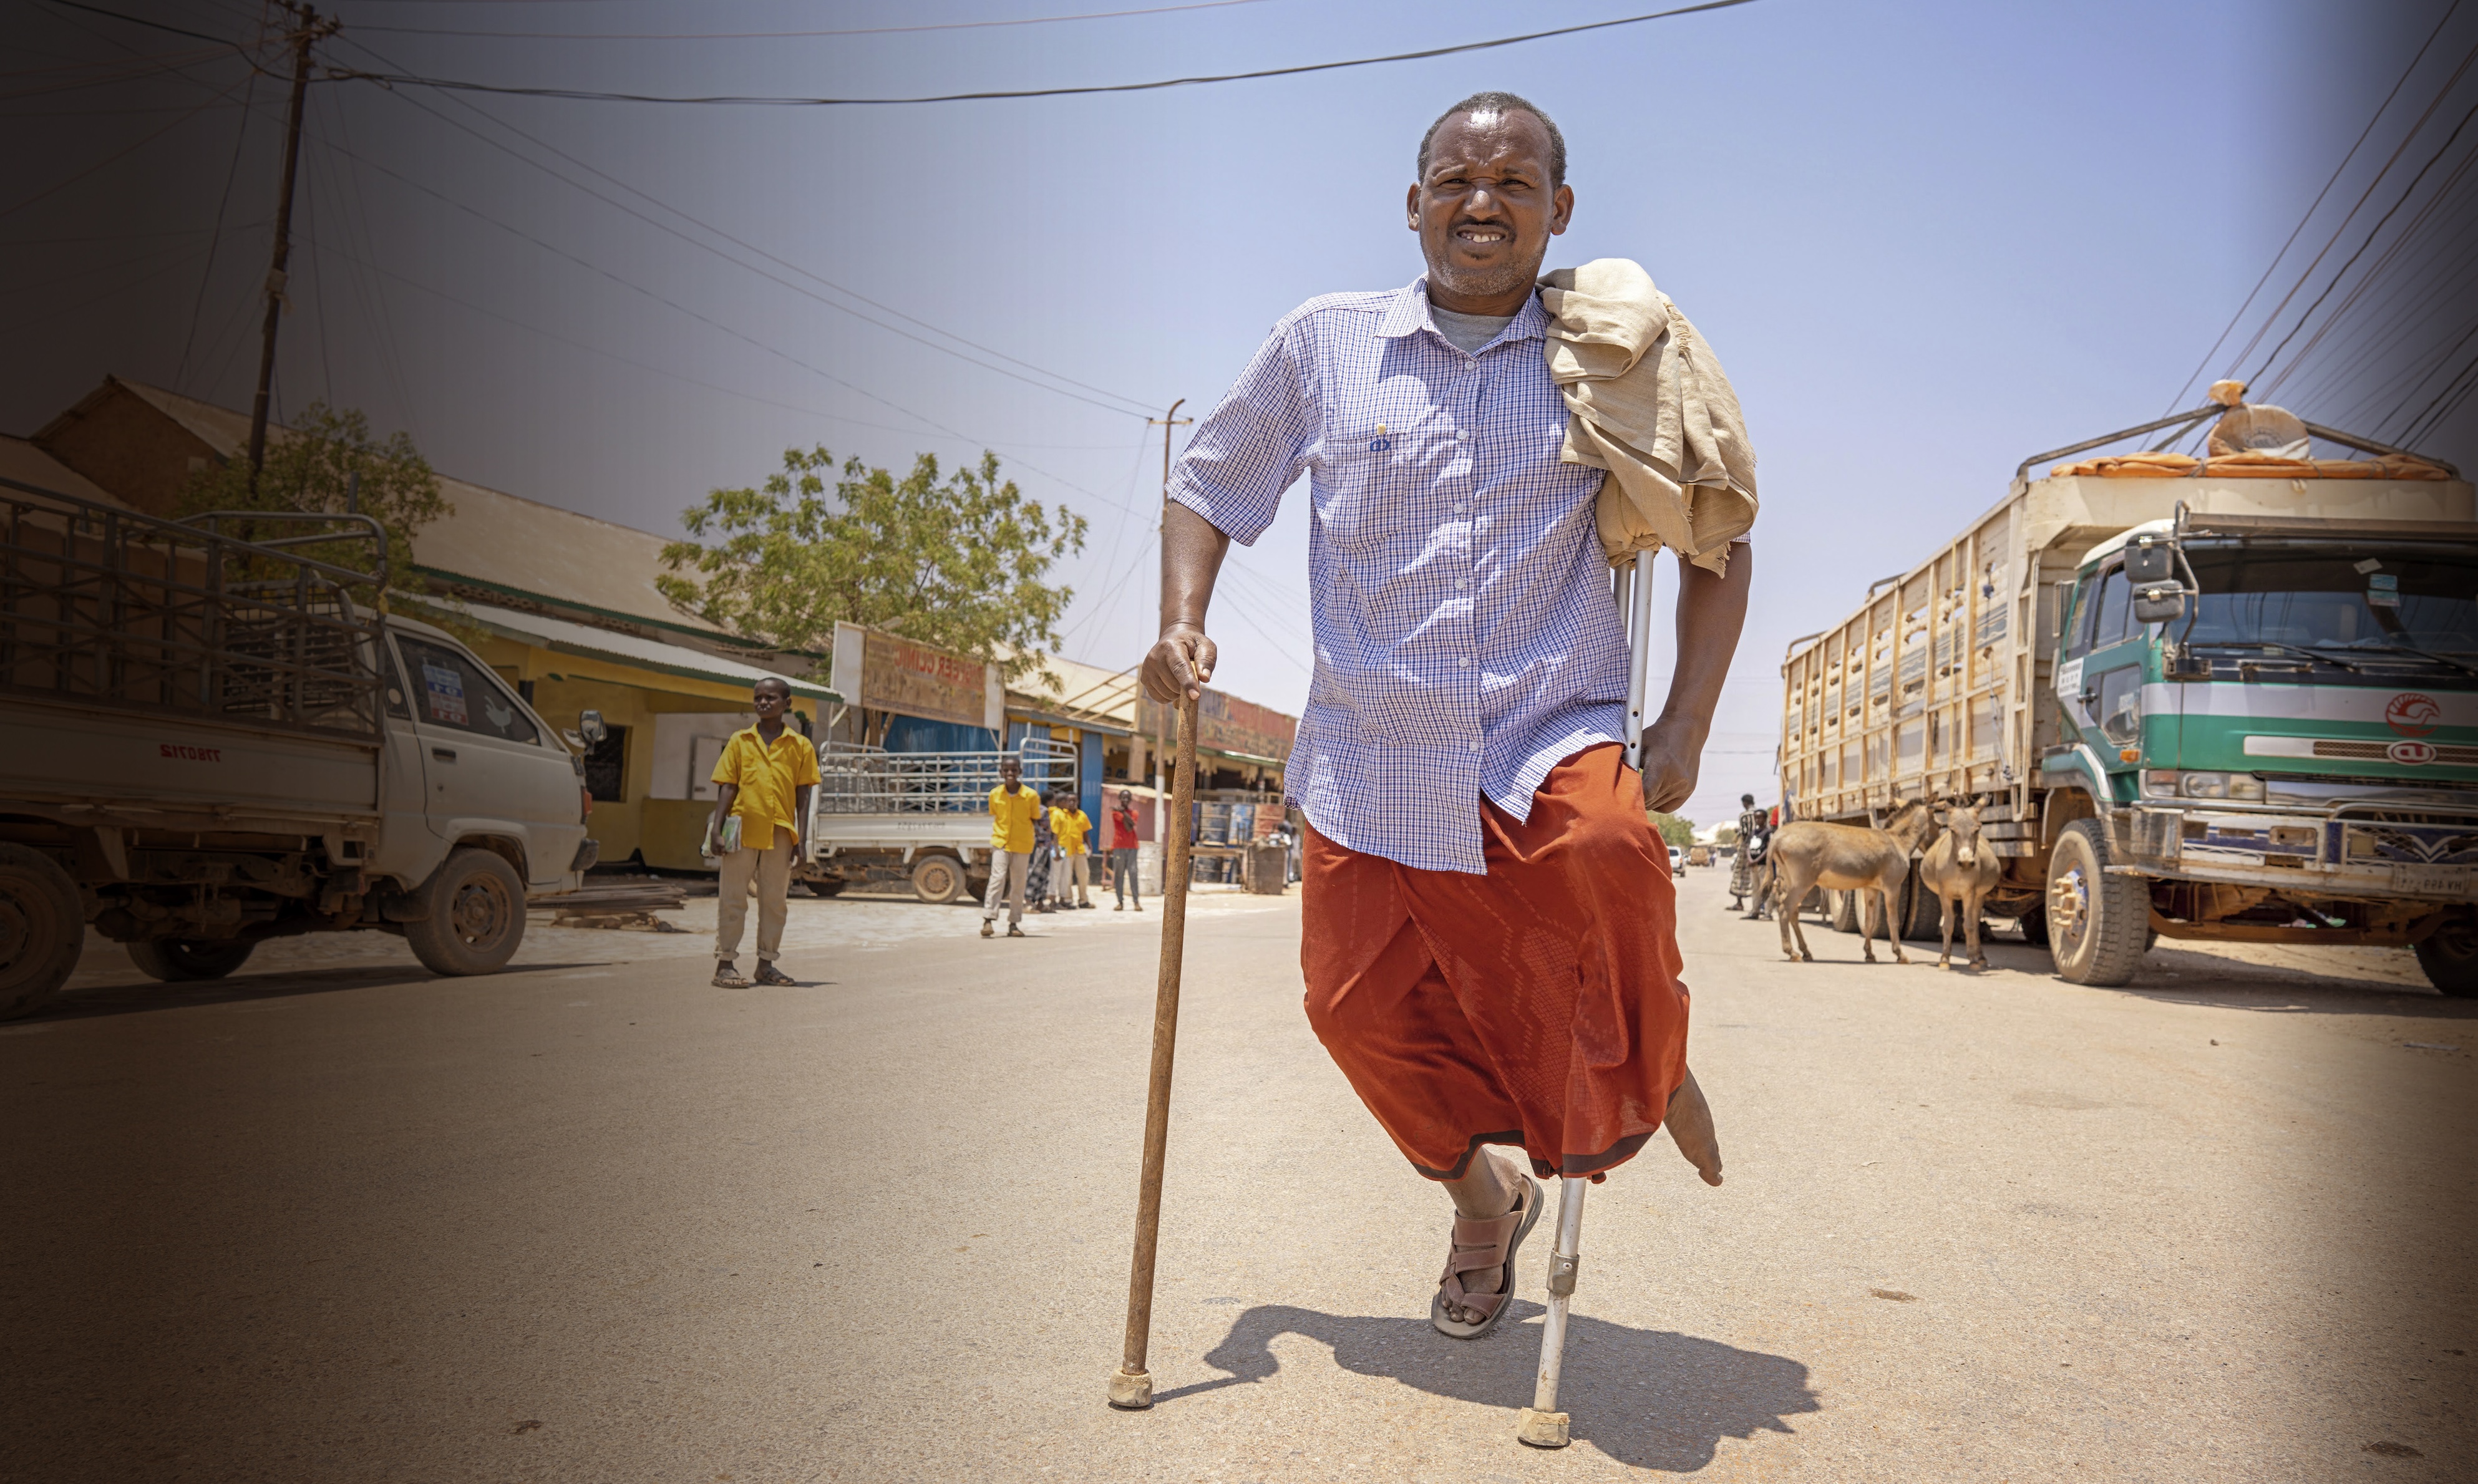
1485,282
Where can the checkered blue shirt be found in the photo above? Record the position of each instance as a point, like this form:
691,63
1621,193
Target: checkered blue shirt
1466,641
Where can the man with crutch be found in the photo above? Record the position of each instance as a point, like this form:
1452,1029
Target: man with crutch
1489,922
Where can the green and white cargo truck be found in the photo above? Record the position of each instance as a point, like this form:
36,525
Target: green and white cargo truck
2235,702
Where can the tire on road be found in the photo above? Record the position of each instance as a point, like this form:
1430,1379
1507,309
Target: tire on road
1841,909
181,959
2449,956
1923,912
43,929
937,879
2035,927
2098,924
477,915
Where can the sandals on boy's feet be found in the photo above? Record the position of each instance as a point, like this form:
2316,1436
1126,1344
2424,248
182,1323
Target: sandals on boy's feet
1479,1246
767,973
728,977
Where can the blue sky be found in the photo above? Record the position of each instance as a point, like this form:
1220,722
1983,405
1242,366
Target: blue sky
1925,238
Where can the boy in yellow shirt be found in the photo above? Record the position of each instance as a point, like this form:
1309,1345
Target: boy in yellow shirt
1012,807
1072,826
766,772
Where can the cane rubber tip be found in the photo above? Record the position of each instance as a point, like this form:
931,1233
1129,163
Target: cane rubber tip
1131,1391
1542,1429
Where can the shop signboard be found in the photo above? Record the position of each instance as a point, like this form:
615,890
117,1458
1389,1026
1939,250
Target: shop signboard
888,672
1226,723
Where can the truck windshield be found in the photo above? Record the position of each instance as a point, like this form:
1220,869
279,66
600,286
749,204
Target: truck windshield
2369,597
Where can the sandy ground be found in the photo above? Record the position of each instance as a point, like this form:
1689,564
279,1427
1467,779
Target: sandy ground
336,1220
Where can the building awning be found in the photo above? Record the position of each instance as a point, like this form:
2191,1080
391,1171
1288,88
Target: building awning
563,637
1016,713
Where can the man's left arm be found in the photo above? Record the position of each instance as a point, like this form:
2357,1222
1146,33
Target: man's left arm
1710,611
800,822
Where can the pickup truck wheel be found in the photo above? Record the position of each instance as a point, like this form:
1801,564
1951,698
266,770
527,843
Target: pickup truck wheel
477,916
42,928
2449,955
180,960
2097,924
937,879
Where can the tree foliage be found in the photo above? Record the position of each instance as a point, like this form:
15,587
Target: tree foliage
961,562
310,467
1675,829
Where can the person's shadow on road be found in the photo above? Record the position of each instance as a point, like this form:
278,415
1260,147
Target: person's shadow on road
1647,1398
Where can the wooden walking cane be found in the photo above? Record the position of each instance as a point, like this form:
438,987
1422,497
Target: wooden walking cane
1541,1425
1131,1386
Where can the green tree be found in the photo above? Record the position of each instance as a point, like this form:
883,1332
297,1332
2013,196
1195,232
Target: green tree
309,466
961,562
1675,829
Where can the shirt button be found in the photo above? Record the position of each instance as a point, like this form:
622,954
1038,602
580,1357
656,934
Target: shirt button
1461,582
1463,664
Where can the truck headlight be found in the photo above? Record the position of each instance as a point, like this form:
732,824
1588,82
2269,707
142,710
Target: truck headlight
2161,781
2245,786
2206,786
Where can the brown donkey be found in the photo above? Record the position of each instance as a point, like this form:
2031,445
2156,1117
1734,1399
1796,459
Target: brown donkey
1960,870
1809,853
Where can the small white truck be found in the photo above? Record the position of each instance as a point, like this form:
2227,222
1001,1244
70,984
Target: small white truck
211,733
921,816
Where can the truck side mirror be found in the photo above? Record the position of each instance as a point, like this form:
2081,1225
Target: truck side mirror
2158,603
2150,559
590,726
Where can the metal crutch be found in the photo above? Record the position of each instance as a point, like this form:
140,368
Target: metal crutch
1542,1425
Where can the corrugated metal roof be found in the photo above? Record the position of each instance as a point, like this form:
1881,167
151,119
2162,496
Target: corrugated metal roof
560,636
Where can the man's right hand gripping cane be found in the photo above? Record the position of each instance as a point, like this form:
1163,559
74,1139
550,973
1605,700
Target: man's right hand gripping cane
1181,661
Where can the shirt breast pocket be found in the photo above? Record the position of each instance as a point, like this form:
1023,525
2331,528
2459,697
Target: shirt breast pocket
1362,477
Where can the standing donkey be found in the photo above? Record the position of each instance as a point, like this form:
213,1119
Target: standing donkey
1960,870
1809,853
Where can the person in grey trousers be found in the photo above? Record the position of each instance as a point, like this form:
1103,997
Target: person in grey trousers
1123,852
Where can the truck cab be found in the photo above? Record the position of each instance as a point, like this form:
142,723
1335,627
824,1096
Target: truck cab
2276,721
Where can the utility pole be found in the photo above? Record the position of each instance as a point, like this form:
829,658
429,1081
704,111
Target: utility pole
311,29
1161,595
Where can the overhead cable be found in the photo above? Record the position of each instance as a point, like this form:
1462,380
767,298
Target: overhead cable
579,94
772,36
2274,265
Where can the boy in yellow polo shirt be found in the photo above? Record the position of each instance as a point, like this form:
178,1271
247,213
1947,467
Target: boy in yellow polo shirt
1012,807
1072,824
766,772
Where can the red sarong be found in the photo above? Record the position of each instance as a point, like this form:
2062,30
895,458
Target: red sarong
1537,1005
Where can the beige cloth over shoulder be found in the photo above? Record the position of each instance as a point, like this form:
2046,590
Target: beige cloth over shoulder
1647,400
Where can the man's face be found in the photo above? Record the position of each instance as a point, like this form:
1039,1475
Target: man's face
1127,800
1484,209
768,699
1011,773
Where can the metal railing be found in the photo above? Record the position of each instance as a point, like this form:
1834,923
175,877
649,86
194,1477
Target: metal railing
106,607
863,780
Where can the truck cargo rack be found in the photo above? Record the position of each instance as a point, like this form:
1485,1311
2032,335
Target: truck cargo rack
104,606
854,779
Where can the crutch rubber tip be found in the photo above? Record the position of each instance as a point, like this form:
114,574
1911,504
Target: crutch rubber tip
1542,1429
1131,1391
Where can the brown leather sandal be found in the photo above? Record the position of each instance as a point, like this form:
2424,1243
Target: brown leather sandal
1477,1246
767,973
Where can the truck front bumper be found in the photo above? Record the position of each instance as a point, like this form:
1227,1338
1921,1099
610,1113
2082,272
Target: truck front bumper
2423,856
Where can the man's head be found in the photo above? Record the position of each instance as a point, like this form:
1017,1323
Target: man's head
1490,193
1127,800
769,697
1746,801
1010,773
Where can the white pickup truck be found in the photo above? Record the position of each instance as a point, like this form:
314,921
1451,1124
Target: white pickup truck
213,734
922,818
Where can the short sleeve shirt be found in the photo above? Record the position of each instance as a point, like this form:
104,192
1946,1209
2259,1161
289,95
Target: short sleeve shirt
769,777
1011,818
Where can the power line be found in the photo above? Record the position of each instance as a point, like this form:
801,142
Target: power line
232,173
114,158
770,36
1133,408
2179,400
403,80
2371,233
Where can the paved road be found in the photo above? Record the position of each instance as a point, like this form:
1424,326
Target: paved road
337,1221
